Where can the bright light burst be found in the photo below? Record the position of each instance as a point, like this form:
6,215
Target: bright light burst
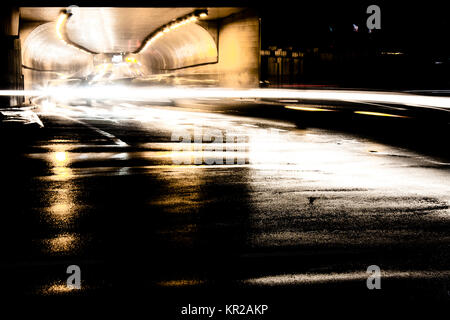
172,93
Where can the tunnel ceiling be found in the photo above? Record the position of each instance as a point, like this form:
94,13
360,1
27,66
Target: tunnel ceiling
112,30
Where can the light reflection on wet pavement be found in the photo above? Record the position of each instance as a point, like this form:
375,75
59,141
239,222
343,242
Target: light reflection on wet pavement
303,201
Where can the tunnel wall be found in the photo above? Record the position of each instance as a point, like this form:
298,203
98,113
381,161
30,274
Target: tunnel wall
187,46
46,58
238,52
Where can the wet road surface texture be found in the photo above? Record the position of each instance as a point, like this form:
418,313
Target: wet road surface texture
297,213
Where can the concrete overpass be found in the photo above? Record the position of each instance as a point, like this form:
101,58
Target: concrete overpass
213,46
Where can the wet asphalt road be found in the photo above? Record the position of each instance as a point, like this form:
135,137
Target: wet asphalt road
297,214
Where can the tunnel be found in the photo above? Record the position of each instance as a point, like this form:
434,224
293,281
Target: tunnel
169,45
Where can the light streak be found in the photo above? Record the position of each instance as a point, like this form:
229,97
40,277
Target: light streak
310,278
380,114
60,23
307,108
156,93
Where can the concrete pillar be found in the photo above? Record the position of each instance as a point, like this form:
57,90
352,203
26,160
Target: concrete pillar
239,50
239,45
10,56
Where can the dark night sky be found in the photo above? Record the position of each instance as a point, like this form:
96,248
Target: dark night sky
406,26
